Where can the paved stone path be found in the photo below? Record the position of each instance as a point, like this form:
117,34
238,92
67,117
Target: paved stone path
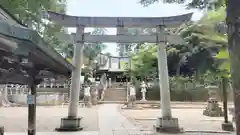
111,122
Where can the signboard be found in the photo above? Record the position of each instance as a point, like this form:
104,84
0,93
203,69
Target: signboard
114,63
30,99
124,63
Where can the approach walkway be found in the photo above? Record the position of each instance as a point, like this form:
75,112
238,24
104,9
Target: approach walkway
105,119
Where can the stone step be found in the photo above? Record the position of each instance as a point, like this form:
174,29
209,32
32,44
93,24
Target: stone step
113,94
112,102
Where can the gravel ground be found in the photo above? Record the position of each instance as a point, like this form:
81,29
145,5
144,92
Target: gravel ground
14,119
189,119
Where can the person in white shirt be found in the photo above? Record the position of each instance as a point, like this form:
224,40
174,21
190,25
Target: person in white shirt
110,83
87,95
132,94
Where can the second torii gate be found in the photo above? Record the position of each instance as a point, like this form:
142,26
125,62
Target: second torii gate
164,124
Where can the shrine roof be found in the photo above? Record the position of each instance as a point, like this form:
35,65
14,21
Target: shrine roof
29,41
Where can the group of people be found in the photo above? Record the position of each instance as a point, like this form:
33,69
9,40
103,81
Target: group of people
90,95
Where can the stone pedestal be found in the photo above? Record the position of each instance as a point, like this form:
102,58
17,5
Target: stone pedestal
213,109
232,112
168,125
94,98
227,126
87,101
69,124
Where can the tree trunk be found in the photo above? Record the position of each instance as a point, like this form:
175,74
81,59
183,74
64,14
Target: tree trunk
233,22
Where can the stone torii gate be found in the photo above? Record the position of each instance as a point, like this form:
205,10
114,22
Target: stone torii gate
166,123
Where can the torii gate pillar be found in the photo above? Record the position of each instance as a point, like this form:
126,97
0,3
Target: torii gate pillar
72,121
166,123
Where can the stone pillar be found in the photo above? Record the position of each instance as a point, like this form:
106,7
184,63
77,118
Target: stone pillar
1,130
128,92
5,96
72,122
110,62
121,31
166,123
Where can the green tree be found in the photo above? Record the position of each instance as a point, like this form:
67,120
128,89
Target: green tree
145,62
91,50
203,41
233,24
33,11
200,4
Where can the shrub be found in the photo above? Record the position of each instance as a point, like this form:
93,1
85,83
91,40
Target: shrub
181,89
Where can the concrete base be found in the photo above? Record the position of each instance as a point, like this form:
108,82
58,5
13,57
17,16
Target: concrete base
70,125
233,119
227,126
168,125
1,130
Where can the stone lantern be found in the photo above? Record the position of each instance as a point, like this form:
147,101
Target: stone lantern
143,91
213,109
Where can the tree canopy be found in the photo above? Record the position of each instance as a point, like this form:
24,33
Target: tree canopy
195,57
33,10
200,4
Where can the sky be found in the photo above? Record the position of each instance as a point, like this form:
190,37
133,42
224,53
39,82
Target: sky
123,8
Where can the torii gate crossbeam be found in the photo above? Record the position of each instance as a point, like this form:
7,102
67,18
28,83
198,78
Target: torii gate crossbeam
171,39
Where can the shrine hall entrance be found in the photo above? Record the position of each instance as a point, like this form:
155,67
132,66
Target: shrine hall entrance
118,77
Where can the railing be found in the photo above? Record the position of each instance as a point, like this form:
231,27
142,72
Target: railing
53,84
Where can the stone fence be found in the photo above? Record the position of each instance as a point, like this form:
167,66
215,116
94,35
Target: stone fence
11,93
42,99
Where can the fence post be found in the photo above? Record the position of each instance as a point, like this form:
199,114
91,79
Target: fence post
1,130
